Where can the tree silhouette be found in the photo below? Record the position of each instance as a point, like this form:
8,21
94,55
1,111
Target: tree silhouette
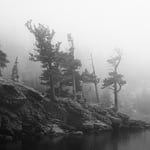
74,64
115,80
3,61
14,75
46,52
69,70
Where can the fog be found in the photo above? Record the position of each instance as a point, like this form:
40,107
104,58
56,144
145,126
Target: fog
97,27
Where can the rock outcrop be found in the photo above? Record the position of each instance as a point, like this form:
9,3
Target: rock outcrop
25,111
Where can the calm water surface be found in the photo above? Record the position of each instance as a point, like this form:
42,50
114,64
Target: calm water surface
125,140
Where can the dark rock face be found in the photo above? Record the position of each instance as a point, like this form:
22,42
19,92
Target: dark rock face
24,111
21,109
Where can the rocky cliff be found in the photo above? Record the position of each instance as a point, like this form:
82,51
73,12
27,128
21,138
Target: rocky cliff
25,111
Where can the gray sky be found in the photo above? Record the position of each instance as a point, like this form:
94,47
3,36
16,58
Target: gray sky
97,26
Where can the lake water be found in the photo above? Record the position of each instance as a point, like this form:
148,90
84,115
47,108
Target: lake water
124,140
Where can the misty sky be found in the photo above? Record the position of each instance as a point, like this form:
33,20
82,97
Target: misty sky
97,26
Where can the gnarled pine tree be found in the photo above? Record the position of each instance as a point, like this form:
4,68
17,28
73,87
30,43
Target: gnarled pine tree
115,80
46,53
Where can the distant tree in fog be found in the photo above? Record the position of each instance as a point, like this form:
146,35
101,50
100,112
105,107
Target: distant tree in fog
70,67
14,74
115,80
106,100
46,52
3,61
88,77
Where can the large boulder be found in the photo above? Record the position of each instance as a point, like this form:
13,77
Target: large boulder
21,109
116,122
56,130
125,118
136,124
95,126
77,133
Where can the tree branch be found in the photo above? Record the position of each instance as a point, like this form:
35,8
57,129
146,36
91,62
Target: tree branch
118,90
119,59
111,88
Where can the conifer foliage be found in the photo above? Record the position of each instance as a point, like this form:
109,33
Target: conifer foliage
70,66
46,52
3,61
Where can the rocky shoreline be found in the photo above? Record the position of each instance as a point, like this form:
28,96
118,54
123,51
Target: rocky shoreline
26,112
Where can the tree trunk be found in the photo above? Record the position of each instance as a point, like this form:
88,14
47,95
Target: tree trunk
59,89
52,89
97,95
0,73
115,96
74,85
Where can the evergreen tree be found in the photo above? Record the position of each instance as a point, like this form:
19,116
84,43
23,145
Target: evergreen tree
69,70
115,80
74,64
3,61
14,75
46,52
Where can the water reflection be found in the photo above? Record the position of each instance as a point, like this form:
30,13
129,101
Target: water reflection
124,140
